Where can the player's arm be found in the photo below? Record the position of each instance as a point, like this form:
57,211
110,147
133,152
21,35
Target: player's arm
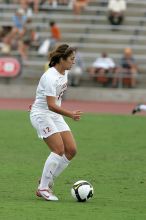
76,115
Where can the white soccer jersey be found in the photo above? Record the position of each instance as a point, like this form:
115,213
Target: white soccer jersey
52,83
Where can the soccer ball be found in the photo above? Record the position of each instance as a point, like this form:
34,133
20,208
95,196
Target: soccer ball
82,191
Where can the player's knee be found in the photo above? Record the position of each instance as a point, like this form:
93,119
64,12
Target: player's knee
71,153
59,150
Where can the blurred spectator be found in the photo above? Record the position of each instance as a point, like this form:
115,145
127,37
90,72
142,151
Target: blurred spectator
50,42
21,36
28,39
116,10
12,37
101,68
30,6
54,3
19,20
1,33
55,32
76,72
79,5
62,2
129,69
1,37
4,43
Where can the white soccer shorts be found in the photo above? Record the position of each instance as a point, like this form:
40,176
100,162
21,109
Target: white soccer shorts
46,125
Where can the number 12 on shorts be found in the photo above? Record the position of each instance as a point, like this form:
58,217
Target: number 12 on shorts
46,130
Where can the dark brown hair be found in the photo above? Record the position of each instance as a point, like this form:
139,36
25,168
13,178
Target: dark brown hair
62,51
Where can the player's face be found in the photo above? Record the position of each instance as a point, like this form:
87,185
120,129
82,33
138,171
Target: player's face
69,61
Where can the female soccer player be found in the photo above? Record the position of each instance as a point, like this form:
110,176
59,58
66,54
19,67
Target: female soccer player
46,116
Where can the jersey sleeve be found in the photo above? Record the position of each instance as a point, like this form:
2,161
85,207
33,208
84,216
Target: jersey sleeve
50,86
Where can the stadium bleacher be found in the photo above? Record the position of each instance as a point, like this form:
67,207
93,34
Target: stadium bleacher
90,32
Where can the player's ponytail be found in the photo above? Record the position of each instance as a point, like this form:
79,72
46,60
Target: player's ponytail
63,51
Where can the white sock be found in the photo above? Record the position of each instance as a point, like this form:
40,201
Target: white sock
62,165
51,164
142,107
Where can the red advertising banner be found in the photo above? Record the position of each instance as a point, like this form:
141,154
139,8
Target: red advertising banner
9,67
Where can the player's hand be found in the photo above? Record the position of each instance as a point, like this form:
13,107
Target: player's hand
76,115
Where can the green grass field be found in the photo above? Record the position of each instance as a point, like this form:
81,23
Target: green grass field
111,155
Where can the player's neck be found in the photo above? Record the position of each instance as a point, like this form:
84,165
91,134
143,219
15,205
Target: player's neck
60,69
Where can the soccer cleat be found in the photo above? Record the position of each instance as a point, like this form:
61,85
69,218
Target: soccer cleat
50,185
136,109
47,194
